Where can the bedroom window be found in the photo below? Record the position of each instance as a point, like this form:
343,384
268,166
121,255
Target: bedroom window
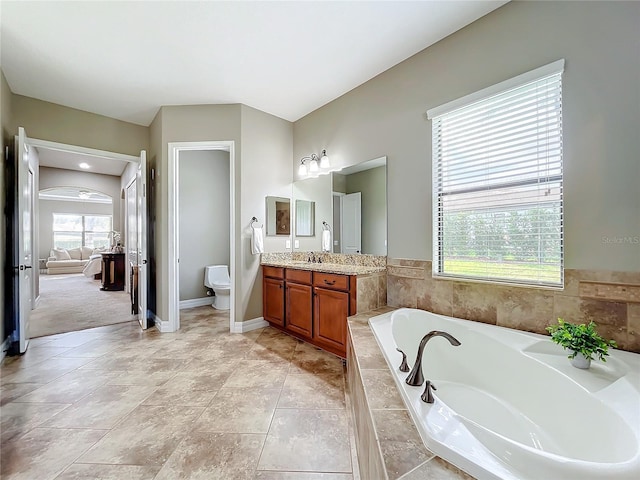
73,230
497,182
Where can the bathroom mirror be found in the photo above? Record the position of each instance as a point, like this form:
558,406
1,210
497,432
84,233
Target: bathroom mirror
332,193
278,215
360,208
305,218
317,191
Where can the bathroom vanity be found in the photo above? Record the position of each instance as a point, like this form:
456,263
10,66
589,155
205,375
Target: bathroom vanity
311,301
312,306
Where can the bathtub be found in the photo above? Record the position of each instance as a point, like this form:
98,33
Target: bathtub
509,405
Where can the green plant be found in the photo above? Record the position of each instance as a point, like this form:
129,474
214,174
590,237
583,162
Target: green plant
580,339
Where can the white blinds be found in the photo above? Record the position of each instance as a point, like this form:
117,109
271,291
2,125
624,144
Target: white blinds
497,184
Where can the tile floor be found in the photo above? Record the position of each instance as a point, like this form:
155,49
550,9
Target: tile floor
118,403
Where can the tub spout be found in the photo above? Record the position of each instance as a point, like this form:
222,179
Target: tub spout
416,378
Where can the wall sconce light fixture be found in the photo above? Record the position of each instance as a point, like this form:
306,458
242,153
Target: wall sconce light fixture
315,163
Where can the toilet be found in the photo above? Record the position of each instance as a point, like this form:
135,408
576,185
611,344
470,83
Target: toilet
216,277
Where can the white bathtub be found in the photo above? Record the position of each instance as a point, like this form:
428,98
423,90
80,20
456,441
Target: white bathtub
509,405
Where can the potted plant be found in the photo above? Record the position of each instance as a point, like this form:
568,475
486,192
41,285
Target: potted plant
582,340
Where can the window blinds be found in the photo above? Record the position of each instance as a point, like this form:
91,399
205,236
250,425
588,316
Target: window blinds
497,182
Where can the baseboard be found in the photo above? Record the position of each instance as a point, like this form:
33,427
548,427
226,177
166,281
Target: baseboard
253,324
5,346
196,302
161,325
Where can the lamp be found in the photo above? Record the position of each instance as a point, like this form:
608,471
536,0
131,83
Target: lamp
315,163
324,160
302,169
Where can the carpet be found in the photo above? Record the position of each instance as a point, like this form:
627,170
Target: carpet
75,302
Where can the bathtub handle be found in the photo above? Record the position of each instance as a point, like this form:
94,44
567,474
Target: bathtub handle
427,395
403,366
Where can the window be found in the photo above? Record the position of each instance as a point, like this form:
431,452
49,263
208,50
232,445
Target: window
497,182
72,230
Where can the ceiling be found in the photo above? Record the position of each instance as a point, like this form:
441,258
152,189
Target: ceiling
126,59
72,160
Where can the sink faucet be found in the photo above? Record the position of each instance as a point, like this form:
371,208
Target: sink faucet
416,378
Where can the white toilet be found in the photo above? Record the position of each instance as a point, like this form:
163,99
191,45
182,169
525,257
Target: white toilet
216,277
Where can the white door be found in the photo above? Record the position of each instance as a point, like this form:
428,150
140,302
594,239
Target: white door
25,236
141,189
351,223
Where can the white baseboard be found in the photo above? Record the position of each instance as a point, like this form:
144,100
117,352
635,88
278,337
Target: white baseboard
253,324
4,348
196,302
162,325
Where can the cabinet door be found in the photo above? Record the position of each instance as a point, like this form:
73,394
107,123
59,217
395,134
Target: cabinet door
331,312
300,308
273,300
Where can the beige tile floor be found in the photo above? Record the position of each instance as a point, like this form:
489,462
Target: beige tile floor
118,403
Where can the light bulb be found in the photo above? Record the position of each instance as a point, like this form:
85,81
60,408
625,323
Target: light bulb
324,160
313,166
302,170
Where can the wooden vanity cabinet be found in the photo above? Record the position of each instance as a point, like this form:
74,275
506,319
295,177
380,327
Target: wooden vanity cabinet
334,301
299,302
273,292
312,306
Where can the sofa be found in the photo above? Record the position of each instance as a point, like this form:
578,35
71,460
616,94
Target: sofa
72,260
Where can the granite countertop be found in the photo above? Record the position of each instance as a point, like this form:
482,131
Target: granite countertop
325,267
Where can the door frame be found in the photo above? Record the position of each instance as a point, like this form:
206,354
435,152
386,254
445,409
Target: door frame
174,149
64,147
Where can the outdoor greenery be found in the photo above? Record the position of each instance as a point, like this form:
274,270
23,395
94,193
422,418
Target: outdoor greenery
512,235
503,270
522,244
580,339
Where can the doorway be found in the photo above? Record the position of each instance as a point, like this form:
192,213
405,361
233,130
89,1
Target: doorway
64,167
177,150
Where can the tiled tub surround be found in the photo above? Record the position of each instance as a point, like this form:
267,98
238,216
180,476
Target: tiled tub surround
388,444
611,299
370,270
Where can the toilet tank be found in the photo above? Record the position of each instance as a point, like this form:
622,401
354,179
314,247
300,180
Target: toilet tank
216,274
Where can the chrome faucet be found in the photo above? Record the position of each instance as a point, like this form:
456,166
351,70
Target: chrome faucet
416,378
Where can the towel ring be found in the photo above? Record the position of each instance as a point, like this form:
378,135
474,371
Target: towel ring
326,226
253,220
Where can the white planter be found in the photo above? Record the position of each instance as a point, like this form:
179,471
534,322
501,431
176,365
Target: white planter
580,361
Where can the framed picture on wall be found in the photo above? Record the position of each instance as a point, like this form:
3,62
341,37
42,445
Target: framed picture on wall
283,218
